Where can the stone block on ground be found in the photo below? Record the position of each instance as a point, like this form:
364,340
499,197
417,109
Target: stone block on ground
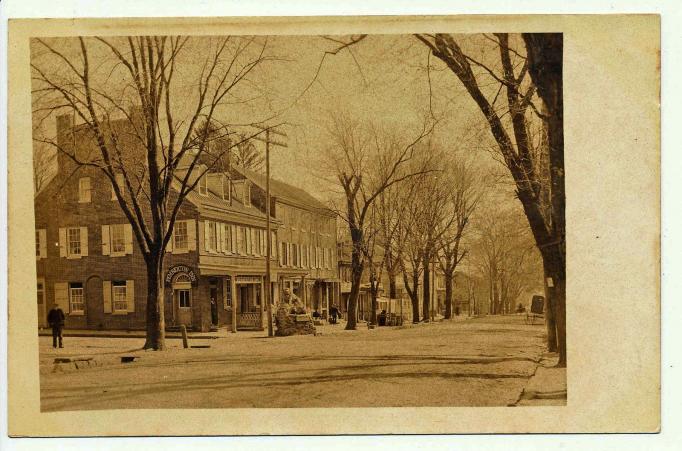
288,324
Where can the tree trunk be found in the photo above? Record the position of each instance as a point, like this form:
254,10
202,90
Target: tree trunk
356,276
392,289
426,302
413,293
155,322
560,317
448,295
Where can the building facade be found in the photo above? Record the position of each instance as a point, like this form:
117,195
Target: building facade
89,263
307,258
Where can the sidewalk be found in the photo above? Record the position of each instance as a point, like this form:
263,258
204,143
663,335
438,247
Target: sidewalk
46,332
547,387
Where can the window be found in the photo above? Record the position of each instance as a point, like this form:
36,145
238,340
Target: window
118,242
228,291
294,252
119,296
246,239
184,300
121,186
74,241
283,255
84,194
203,186
212,236
255,246
38,243
180,235
76,301
247,194
227,238
227,195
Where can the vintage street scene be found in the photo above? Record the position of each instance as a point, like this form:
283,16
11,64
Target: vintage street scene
299,221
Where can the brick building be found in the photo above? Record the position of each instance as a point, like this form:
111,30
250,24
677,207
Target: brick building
307,259
89,263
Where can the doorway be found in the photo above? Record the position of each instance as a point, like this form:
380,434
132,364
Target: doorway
213,294
182,300
42,318
94,302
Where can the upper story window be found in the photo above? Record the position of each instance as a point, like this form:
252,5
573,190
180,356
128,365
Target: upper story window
241,241
227,191
212,236
84,192
121,186
73,240
118,241
203,185
227,244
247,194
180,235
41,243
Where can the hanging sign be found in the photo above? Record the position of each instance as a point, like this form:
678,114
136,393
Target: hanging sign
181,269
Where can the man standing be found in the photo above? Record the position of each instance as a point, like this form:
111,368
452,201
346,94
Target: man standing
56,321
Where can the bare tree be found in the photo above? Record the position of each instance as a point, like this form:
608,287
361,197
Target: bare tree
44,167
542,59
365,162
175,84
463,196
506,258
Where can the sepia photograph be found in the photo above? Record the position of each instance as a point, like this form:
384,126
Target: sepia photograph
324,226
389,208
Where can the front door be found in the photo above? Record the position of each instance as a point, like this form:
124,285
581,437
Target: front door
183,306
94,308
42,319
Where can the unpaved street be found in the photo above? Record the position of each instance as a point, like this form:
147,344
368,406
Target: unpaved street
476,362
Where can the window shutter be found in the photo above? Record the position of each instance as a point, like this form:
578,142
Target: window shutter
106,295
219,237
191,235
61,295
62,242
233,232
130,295
207,242
128,234
201,235
247,239
169,246
105,240
42,236
84,241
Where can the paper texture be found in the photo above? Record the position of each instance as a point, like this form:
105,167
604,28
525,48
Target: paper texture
612,142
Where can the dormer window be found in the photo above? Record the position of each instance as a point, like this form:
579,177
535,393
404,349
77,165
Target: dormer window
203,186
226,189
247,194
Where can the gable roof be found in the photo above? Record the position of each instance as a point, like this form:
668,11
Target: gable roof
284,191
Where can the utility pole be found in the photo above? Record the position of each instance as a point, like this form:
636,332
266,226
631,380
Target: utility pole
268,233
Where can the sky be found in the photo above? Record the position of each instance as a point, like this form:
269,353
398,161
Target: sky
381,80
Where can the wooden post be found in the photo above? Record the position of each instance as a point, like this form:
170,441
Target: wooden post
183,329
233,288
